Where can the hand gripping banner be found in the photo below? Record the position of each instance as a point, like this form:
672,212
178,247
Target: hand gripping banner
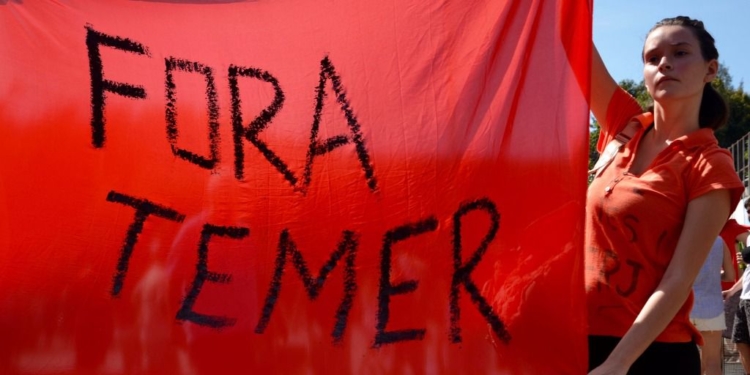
284,186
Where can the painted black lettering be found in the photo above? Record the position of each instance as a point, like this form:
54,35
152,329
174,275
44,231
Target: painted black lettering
637,267
462,272
321,147
387,289
347,247
203,274
99,84
143,208
260,122
213,112
610,266
630,221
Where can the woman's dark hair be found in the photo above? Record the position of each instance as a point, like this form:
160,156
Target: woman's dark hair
714,111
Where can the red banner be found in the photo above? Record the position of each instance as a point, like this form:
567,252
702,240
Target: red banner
207,187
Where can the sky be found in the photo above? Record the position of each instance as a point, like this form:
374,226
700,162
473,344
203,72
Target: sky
620,29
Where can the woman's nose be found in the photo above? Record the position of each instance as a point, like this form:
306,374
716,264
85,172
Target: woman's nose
665,64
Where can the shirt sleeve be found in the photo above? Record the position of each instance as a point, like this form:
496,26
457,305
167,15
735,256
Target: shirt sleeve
622,107
714,170
732,229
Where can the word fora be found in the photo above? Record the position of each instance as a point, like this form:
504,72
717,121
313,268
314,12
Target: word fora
317,147
345,251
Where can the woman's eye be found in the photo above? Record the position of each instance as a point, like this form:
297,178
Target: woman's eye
681,53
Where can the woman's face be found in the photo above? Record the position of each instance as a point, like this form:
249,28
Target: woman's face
673,67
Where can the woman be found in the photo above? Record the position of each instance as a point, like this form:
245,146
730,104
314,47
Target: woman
654,211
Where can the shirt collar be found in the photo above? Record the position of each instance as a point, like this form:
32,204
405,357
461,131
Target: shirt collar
700,137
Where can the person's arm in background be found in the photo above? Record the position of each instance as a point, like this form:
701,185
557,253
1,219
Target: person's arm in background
726,294
703,221
727,271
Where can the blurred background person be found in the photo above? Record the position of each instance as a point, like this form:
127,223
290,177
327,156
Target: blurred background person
708,309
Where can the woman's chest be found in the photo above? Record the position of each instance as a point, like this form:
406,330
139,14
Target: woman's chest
657,197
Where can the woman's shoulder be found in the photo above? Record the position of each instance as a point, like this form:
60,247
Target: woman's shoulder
704,148
622,108
709,167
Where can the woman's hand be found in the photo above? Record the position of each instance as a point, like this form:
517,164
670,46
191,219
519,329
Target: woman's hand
726,294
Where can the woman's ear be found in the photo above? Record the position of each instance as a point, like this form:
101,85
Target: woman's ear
711,71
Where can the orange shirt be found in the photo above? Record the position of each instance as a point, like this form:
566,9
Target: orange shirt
729,233
633,222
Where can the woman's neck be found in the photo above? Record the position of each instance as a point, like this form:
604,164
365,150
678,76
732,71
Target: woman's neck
675,120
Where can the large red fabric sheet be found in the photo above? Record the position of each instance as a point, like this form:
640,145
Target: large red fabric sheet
293,186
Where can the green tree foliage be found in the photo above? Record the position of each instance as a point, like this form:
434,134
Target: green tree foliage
737,99
638,90
739,109
593,137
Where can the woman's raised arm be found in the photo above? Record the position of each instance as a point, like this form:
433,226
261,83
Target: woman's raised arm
602,87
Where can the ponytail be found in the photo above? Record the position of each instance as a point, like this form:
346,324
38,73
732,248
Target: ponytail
714,111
